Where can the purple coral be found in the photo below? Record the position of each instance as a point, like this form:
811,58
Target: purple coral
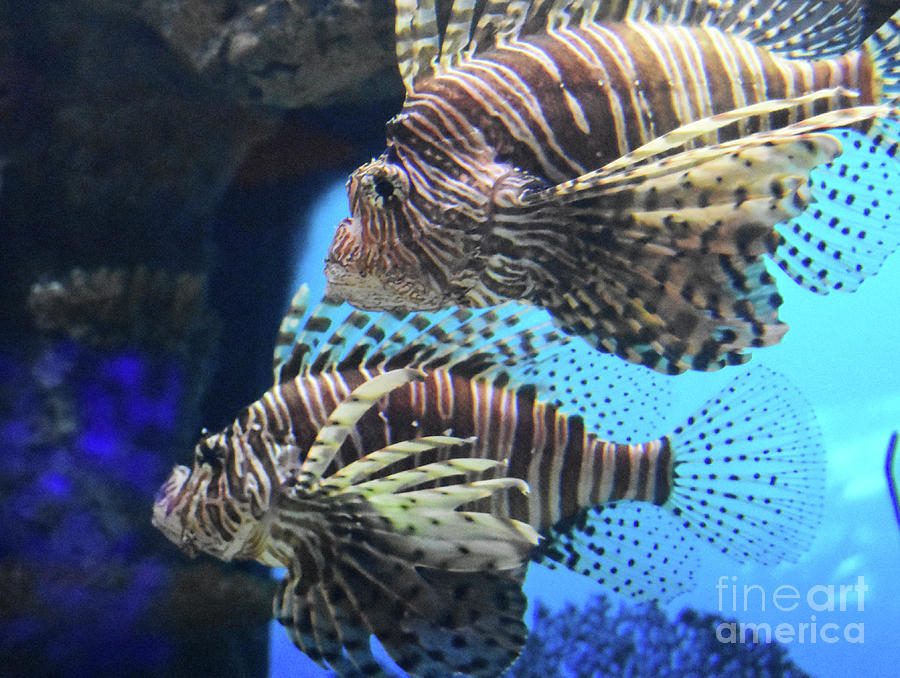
636,641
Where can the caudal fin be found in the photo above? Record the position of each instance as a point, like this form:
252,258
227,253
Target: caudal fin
749,470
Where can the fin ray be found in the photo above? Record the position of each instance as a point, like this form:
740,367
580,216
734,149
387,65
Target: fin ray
634,549
749,470
408,568
516,343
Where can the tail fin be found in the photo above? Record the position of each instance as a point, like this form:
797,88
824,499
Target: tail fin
747,477
748,470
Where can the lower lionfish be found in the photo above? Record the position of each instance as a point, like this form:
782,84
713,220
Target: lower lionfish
385,470
630,165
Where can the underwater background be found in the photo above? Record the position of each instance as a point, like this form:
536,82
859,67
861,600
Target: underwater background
834,352
169,174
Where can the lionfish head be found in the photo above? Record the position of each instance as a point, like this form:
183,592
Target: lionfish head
198,510
372,262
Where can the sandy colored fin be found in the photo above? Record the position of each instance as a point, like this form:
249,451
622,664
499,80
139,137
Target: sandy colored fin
376,461
394,557
426,45
418,41
853,221
797,30
672,249
635,549
344,418
500,22
749,470
674,266
681,136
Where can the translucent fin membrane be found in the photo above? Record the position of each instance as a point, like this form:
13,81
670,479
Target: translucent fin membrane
749,470
853,224
634,549
617,400
518,344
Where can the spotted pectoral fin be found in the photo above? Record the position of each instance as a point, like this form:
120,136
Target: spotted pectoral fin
440,589
670,253
406,557
429,622
635,549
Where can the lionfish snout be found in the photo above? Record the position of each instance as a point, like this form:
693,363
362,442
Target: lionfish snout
168,498
346,246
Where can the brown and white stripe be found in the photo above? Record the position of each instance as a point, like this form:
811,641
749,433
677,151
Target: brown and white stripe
571,99
567,467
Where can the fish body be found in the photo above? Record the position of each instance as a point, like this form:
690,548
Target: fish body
385,470
629,167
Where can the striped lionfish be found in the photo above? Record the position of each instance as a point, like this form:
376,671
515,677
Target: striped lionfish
629,165
384,470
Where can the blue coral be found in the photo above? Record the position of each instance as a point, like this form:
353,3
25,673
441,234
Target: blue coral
637,641
83,431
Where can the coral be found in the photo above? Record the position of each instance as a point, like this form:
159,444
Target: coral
87,586
111,308
635,641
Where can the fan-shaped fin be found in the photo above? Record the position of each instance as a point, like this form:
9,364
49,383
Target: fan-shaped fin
749,470
393,557
671,251
851,226
638,550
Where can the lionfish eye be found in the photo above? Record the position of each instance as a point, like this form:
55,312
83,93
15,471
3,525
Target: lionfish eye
384,188
384,184
208,453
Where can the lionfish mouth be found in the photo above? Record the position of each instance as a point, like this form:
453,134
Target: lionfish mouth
378,277
165,519
372,292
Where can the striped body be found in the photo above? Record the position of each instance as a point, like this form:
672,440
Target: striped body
629,176
563,103
389,468
567,467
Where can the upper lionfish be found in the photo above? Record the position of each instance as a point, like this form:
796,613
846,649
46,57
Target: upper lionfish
629,165
382,470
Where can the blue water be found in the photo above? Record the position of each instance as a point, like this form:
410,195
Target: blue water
841,352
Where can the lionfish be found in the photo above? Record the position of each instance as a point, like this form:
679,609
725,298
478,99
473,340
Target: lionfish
629,165
386,470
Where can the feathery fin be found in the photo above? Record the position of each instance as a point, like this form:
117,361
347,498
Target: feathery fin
749,470
344,418
809,30
635,549
851,225
676,244
747,478
395,558
518,345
